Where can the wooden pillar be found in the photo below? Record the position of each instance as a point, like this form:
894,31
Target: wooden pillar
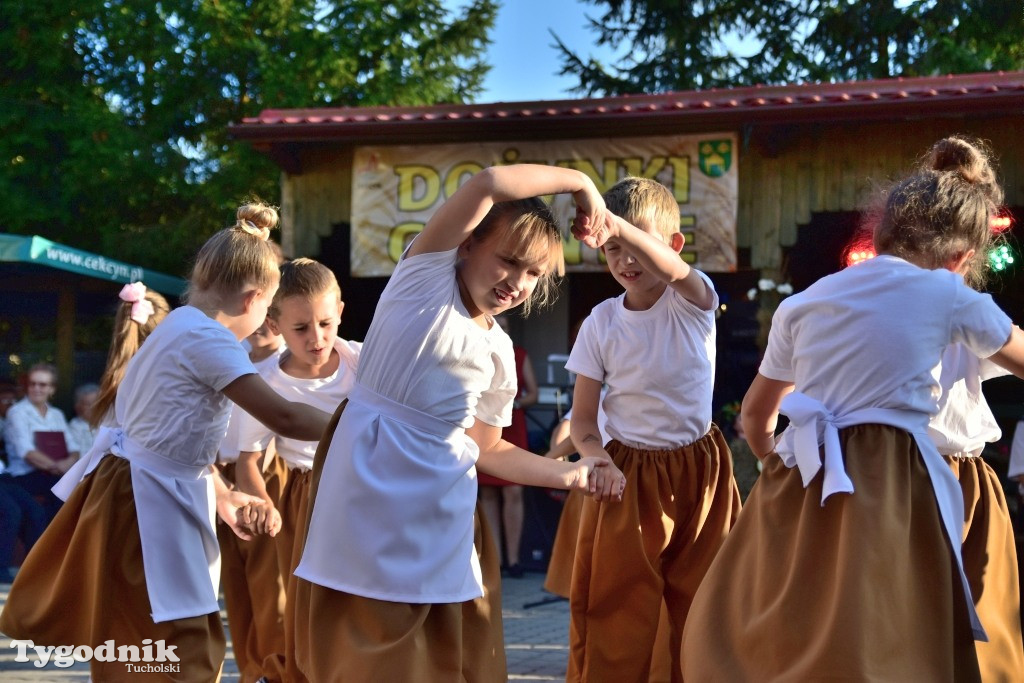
65,343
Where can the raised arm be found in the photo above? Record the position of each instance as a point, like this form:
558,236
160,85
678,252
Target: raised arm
660,259
462,212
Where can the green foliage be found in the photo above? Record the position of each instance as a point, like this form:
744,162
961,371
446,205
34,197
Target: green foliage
114,113
683,46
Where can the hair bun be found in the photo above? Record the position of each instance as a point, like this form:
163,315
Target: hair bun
970,159
256,218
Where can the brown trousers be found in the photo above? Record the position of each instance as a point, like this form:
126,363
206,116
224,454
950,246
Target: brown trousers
862,588
281,664
990,562
83,584
653,547
559,582
253,587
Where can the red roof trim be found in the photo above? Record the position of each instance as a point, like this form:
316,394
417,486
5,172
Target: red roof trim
953,95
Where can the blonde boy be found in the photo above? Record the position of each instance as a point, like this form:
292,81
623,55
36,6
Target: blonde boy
654,348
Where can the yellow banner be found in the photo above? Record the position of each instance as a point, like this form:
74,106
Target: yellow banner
396,189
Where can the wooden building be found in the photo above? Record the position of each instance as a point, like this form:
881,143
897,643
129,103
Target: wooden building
808,158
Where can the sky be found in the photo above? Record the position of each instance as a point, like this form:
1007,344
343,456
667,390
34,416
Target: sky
523,57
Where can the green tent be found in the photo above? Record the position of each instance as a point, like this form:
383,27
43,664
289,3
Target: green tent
40,251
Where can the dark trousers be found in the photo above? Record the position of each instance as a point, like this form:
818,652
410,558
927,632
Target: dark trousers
38,484
21,517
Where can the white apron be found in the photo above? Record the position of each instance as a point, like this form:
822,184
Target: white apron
176,509
393,515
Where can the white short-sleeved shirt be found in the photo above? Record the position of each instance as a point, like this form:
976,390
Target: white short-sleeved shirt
229,445
23,421
964,423
393,517
658,365
170,400
324,393
872,335
424,351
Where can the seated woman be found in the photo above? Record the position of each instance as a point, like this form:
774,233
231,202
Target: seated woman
40,447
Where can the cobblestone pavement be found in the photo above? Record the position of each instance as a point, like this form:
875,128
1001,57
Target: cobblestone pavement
536,640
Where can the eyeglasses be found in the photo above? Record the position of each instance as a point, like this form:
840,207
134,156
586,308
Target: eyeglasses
40,384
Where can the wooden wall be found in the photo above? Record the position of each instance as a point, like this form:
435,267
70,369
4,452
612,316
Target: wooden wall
787,173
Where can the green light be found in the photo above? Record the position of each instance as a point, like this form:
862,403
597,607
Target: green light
1000,258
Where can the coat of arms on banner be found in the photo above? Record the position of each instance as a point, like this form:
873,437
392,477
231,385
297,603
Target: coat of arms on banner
715,157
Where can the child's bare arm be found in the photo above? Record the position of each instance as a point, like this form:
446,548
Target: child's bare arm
1011,356
501,459
759,413
453,222
561,445
248,478
608,482
583,426
660,259
286,418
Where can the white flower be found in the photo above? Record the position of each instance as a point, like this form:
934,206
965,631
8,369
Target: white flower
765,285
785,289
752,293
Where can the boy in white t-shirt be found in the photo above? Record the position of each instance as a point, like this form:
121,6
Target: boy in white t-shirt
250,579
317,368
654,348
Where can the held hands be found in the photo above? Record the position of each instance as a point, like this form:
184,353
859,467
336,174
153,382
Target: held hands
248,515
599,477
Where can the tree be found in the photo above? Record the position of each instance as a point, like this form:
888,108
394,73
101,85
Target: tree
682,46
116,111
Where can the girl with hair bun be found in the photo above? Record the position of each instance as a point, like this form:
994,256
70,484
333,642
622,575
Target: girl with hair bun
132,557
846,561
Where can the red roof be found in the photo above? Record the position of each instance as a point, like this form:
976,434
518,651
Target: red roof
996,93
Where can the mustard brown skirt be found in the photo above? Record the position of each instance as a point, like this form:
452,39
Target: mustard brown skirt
990,562
863,588
83,584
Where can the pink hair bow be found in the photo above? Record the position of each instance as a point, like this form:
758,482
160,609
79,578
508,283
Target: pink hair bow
135,294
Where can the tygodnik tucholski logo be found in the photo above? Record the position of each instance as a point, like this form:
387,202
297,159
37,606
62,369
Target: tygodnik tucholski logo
150,657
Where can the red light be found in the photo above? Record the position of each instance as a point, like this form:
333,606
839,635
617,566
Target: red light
999,224
855,256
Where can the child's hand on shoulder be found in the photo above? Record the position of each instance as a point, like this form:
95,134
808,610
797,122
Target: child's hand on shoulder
600,478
